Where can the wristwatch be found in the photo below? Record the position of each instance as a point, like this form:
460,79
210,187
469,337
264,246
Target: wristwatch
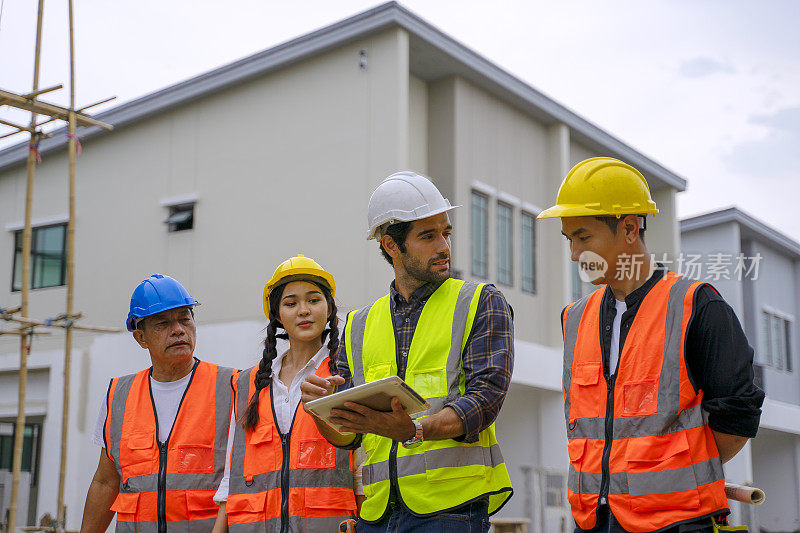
417,439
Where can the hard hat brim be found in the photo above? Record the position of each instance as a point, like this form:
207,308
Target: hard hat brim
565,211
373,232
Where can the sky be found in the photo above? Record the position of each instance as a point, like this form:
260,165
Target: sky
708,88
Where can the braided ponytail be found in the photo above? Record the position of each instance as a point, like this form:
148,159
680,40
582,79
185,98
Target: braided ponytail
249,418
333,340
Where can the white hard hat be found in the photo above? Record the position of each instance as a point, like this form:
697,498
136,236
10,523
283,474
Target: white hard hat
403,197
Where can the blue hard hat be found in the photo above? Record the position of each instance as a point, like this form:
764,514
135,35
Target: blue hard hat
155,294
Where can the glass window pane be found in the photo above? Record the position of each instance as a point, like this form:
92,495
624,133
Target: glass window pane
50,240
480,236
505,249
763,355
48,257
777,337
528,253
788,336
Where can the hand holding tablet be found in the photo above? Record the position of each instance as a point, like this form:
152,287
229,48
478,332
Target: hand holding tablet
377,395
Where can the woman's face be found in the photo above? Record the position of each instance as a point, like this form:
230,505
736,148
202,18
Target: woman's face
303,311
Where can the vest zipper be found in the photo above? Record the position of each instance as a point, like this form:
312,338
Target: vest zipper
286,452
161,495
609,437
285,483
162,487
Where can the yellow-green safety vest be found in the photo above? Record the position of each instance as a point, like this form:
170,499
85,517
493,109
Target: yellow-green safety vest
440,474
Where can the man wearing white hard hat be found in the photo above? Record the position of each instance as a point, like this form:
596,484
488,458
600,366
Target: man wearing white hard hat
450,340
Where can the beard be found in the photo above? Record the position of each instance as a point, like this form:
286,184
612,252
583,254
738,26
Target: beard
423,271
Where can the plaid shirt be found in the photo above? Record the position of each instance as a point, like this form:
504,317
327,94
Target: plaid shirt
487,361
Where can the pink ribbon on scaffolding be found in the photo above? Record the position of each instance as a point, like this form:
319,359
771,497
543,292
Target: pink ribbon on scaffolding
78,139
35,149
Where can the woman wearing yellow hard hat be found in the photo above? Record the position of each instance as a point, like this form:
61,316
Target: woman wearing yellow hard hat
283,474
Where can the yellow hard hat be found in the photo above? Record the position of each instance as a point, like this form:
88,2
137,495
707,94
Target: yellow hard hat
602,186
299,268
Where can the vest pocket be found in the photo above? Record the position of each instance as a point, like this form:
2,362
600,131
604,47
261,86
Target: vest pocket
583,391
330,501
660,473
430,383
200,505
377,371
316,453
260,455
576,448
137,454
246,508
126,505
195,458
640,398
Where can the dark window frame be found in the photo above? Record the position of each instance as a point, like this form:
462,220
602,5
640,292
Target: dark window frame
504,208
529,254
36,254
485,234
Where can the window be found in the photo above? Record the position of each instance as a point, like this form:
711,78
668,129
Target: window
181,217
480,235
505,244
528,252
776,345
48,257
30,445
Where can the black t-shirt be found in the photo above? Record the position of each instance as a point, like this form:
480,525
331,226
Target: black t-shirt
718,357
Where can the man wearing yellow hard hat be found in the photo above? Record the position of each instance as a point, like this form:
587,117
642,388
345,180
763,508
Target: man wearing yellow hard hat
658,381
452,341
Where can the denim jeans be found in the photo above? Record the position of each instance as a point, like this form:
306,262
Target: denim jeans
607,523
470,518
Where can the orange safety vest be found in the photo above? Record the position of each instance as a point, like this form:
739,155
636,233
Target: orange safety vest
297,482
641,438
170,484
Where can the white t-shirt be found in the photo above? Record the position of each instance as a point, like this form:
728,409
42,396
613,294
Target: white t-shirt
285,401
167,398
621,307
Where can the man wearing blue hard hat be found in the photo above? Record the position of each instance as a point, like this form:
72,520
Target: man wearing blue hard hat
163,431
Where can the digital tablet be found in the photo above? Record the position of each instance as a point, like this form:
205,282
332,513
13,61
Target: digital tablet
376,395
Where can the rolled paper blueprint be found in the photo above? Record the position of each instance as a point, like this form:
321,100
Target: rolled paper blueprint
743,493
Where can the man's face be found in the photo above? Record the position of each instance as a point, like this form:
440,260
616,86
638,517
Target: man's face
591,242
169,336
427,256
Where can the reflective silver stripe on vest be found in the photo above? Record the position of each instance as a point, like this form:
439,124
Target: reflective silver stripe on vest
116,416
460,317
173,526
645,483
269,525
297,524
410,465
574,316
237,484
594,428
667,419
357,330
175,481
222,418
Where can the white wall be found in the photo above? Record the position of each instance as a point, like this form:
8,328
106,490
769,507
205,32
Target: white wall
775,470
